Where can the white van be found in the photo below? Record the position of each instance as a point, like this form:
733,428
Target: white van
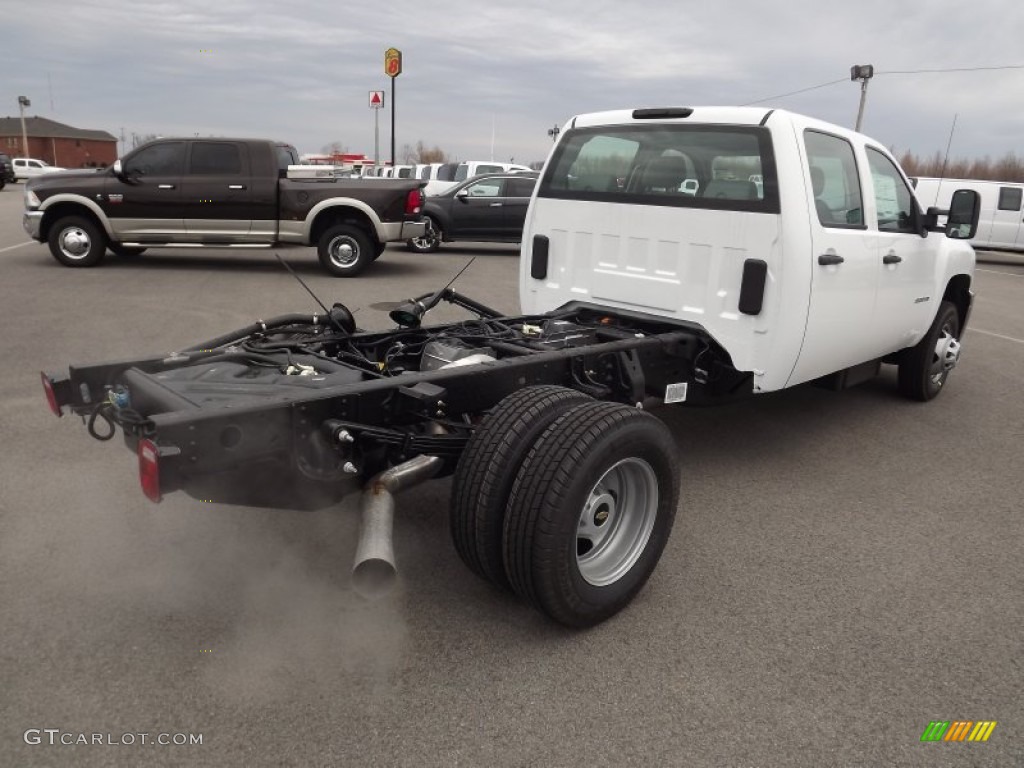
1001,224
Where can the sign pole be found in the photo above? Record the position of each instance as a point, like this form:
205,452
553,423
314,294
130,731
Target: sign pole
376,104
392,68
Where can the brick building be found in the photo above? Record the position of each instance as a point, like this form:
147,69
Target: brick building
56,143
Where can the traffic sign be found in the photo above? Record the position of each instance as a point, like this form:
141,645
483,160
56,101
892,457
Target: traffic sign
376,99
392,62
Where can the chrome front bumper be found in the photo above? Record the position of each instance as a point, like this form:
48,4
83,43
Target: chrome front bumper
32,221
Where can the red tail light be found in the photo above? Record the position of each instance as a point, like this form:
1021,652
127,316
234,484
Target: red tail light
51,396
149,469
414,202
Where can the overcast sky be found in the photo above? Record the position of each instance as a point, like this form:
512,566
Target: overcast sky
301,71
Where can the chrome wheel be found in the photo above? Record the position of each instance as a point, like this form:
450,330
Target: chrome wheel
429,241
74,243
946,356
616,522
343,251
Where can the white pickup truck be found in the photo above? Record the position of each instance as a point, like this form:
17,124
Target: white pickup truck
829,266
686,255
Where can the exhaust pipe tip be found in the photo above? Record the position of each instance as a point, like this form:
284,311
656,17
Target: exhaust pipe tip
374,578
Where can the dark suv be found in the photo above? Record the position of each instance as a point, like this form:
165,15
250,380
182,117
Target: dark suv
6,170
490,207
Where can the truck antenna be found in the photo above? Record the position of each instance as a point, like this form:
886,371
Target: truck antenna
945,160
327,312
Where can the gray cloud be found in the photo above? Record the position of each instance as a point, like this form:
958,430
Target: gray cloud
302,72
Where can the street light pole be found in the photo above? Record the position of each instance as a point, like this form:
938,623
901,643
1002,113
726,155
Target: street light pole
862,72
22,103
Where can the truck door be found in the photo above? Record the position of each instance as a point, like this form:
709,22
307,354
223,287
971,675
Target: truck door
906,261
144,203
478,210
517,200
844,276
216,192
1006,224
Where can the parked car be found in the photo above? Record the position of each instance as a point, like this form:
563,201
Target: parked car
6,170
450,174
490,208
28,167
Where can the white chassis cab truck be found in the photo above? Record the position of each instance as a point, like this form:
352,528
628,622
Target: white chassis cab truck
686,255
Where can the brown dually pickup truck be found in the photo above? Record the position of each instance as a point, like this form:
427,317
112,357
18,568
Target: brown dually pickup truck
219,193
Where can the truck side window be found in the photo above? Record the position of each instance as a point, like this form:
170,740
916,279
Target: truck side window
1009,198
486,188
164,159
893,200
219,158
285,157
519,187
834,180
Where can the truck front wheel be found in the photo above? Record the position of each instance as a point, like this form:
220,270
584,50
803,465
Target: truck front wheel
591,512
76,241
487,470
924,368
345,250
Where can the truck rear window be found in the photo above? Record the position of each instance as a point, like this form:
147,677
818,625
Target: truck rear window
723,167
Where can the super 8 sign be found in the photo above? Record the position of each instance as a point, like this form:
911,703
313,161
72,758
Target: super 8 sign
392,62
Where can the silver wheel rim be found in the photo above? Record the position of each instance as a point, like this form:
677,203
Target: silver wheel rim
428,240
343,251
616,521
74,243
945,356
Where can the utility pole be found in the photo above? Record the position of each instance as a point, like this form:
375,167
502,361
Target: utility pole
553,132
862,72
22,103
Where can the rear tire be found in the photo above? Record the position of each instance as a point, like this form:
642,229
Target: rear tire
924,368
487,470
591,511
76,241
345,250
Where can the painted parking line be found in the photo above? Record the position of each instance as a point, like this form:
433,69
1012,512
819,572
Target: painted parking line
19,245
997,335
1000,272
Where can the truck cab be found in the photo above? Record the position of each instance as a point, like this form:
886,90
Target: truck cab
797,245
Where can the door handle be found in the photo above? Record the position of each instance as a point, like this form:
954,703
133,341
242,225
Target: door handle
828,259
236,186
495,205
165,186
891,258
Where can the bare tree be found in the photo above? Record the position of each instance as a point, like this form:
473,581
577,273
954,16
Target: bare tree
334,148
1007,168
422,154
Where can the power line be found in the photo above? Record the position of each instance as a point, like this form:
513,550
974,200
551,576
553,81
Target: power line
953,69
794,93
886,72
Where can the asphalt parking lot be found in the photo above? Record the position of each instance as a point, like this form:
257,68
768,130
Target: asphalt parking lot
845,567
